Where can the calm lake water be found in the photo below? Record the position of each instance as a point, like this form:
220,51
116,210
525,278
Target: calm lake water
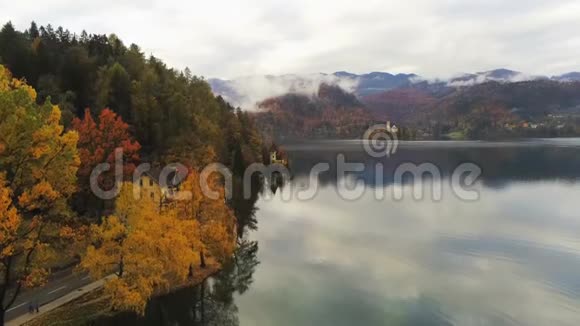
512,257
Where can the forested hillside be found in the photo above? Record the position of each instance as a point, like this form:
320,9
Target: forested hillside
67,102
173,114
400,105
330,113
536,108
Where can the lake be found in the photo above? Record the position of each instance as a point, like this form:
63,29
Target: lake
511,256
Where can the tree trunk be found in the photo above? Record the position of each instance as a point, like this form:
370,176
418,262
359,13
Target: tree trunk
2,313
194,313
202,305
121,268
201,259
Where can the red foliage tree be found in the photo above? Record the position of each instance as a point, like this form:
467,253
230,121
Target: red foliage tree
97,144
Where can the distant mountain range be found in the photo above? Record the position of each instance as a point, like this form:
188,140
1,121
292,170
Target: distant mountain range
249,91
477,105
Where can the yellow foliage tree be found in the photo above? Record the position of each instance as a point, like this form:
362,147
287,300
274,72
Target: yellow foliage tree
38,164
216,220
148,249
10,221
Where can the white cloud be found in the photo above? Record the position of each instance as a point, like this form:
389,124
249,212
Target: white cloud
232,38
251,90
485,77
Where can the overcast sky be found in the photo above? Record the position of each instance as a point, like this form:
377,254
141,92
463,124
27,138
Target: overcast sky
237,38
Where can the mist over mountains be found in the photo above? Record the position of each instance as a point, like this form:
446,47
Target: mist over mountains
499,103
247,92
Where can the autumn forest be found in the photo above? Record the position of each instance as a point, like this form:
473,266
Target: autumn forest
67,101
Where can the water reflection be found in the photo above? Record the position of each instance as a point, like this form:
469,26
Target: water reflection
501,163
510,258
513,257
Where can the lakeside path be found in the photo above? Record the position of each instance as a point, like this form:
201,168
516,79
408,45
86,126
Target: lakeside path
74,293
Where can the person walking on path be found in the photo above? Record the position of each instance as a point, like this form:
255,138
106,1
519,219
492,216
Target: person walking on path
30,307
37,307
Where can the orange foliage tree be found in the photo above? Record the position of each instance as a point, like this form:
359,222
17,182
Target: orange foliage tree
97,144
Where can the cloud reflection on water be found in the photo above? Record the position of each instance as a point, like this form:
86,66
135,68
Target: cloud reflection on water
510,258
